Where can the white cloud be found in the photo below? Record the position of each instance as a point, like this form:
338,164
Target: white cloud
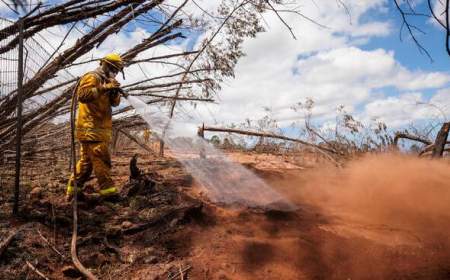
326,65
404,109
441,102
342,76
378,29
372,69
277,72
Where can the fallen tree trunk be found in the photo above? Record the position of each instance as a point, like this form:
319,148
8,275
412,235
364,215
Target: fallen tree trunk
269,135
437,148
401,135
429,149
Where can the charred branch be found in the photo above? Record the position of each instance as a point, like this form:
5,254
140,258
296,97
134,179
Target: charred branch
167,76
82,46
401,135
165,98
59,15
161,57
155,39
411,30
183,98
196,81
35,270
268,135
441,141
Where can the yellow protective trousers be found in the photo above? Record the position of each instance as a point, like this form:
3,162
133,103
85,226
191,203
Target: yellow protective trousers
94,156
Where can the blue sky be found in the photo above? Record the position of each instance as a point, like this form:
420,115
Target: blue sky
406,52
363,66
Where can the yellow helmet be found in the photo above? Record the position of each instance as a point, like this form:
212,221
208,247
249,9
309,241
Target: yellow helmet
114,60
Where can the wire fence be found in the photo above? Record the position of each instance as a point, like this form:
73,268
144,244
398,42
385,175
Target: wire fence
8,64
37,52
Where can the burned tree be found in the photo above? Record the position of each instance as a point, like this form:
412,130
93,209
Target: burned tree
441,141
203,67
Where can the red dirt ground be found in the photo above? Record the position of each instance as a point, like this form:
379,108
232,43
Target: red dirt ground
379,217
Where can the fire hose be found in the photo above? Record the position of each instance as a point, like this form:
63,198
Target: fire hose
73,245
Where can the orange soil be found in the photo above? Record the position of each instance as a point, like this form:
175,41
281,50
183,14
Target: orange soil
380,217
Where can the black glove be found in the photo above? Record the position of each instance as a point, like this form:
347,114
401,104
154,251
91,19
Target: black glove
123,93
111,86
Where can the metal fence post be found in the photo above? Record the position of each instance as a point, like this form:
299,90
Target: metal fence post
19,119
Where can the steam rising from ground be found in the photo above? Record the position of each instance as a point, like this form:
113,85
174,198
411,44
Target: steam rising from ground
223,181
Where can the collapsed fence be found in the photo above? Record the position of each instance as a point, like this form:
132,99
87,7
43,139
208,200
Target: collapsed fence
17,66
186,75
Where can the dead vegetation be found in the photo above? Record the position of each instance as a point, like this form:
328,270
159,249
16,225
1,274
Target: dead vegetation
164,224
113,237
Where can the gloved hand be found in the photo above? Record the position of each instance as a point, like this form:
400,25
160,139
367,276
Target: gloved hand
111,86
123,93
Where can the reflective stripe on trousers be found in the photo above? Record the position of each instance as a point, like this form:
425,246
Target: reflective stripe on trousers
94,156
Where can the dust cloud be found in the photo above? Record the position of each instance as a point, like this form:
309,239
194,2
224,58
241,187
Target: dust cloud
393,191
379,217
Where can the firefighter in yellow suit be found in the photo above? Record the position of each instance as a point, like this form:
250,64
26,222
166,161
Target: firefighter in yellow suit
97,92
147,134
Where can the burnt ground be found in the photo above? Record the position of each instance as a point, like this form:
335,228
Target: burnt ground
166,228
135,238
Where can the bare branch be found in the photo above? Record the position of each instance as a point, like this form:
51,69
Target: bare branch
401,135
430,7
410,31
35,270
281,19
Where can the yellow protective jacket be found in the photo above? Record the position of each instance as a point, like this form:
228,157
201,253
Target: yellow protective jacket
94,120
